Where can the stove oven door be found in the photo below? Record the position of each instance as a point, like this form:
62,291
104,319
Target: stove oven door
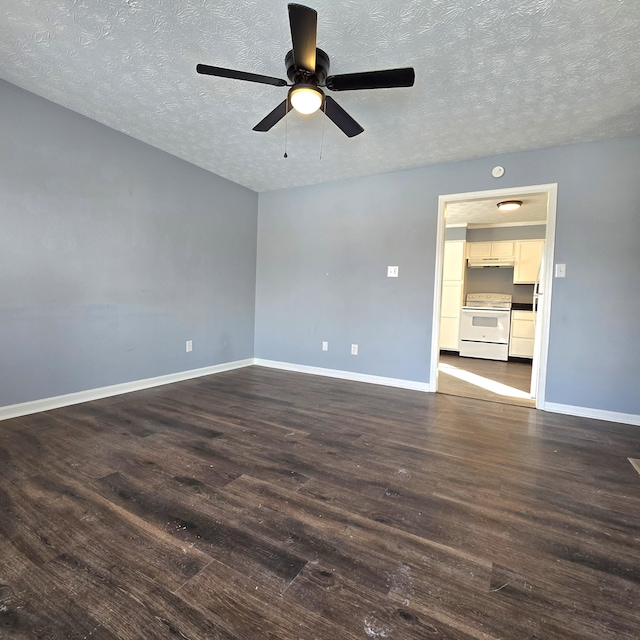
485,325
484,333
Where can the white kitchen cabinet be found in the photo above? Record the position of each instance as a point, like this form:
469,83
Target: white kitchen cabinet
453,266
453,272
503,249
522,335
478,249
528,259
452,298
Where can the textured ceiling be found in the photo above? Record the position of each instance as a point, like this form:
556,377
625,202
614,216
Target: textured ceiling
492,76
484,211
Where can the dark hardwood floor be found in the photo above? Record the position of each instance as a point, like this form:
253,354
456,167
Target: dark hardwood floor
262,504
513,379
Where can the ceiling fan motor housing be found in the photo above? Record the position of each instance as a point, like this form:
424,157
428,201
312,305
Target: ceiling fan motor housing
296,75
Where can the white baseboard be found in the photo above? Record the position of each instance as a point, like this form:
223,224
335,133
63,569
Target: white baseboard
46,404
26,408
596,414
345,375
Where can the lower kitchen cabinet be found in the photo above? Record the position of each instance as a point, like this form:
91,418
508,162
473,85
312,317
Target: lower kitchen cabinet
452,294
523,332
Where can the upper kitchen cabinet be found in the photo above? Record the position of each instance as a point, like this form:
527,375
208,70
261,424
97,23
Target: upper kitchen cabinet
490,249
528,259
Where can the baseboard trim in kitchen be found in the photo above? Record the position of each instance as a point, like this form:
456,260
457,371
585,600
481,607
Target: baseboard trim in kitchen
596,414
46,404
413,385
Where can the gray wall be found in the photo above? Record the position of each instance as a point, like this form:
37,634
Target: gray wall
496,234
323,253
455,233
112,255
493,280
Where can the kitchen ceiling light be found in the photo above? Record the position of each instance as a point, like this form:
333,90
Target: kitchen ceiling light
306,98
509,205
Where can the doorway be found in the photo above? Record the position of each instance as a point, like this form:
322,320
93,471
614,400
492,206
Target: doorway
473,233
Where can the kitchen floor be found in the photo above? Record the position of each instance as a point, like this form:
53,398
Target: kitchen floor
493,380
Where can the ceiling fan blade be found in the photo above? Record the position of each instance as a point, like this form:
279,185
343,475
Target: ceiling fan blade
303,22
274,117
239,75
388,79
341,118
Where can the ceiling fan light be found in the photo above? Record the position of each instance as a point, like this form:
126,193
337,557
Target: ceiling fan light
509,205
306,98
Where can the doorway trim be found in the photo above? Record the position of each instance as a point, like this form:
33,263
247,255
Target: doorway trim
552,197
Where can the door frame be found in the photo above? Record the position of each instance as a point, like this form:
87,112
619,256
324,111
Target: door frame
552,200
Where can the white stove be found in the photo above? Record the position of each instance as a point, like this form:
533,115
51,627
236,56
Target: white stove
484,326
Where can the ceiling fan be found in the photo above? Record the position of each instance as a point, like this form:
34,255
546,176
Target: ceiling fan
308,72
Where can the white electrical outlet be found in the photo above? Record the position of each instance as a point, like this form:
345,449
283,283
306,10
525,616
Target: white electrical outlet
354,349
189,345
392,272
325,345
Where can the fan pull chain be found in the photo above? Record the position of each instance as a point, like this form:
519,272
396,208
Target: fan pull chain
324,111
286,127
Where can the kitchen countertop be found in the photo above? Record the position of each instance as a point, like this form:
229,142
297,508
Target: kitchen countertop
522,306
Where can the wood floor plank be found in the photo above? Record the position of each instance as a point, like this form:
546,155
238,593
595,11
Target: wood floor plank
199,525
355,608
34,605
252,612
128,603
49,517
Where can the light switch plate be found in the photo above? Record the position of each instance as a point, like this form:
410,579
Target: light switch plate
392,272
561,270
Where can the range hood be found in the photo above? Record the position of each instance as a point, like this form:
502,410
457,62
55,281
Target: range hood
489,261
